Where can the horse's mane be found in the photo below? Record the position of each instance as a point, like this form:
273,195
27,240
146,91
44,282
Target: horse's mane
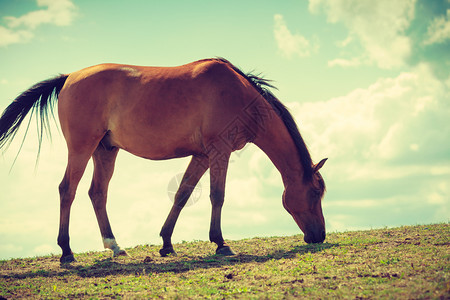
262,85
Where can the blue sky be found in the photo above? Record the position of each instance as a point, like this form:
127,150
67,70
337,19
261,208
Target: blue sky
367,81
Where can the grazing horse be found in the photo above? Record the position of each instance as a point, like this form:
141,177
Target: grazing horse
206,109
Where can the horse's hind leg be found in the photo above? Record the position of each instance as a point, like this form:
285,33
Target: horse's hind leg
104,160
197,167
76,165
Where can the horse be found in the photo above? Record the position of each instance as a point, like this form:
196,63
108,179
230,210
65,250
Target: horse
205,109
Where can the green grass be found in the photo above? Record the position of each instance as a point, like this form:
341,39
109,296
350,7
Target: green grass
410,262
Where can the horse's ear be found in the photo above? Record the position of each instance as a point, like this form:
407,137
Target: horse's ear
319,165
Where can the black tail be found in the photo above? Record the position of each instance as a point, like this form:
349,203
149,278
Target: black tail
39,97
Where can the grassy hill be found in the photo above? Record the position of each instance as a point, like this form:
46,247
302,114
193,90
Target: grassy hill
405,262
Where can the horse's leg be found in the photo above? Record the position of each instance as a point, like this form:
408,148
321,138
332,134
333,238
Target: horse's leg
75,168
195,170
218,171
104,160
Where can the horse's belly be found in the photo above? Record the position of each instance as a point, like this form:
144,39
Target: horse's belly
156,146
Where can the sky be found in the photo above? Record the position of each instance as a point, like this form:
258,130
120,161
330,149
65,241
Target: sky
367,81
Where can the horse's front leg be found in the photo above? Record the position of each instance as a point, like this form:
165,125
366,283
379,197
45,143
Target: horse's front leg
197,167
218,167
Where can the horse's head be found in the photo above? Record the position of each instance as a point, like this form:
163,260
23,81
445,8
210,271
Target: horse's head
304,203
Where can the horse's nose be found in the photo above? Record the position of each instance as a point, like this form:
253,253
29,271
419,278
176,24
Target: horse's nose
315,238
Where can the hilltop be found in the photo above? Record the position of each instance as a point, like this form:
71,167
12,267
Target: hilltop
405,262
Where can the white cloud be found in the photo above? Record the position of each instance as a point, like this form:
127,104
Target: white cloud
10,248
341,62
381,122
9,36
379,26
345,42
290,44
58,12
44,249
20,29
438,30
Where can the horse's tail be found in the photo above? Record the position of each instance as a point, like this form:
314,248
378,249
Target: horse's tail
39,97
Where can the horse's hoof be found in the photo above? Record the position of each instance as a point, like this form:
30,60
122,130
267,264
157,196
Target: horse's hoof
67,259
121,252
164,252
225,251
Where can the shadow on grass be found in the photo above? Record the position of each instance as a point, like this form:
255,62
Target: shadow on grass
110,266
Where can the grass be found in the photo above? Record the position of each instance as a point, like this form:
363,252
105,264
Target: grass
410,262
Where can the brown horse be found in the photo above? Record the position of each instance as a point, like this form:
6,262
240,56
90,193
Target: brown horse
206,109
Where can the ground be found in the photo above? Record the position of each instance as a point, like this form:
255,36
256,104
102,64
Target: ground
410,262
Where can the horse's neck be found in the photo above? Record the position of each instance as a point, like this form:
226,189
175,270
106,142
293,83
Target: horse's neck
276,142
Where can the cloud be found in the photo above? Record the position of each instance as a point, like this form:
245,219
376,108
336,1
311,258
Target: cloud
290,44
394,119
429,32
341,62
20,29
378,26
8,36
438,30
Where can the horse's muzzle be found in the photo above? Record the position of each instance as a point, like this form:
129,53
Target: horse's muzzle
315,237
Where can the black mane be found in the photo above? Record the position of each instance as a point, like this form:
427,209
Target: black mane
262,86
